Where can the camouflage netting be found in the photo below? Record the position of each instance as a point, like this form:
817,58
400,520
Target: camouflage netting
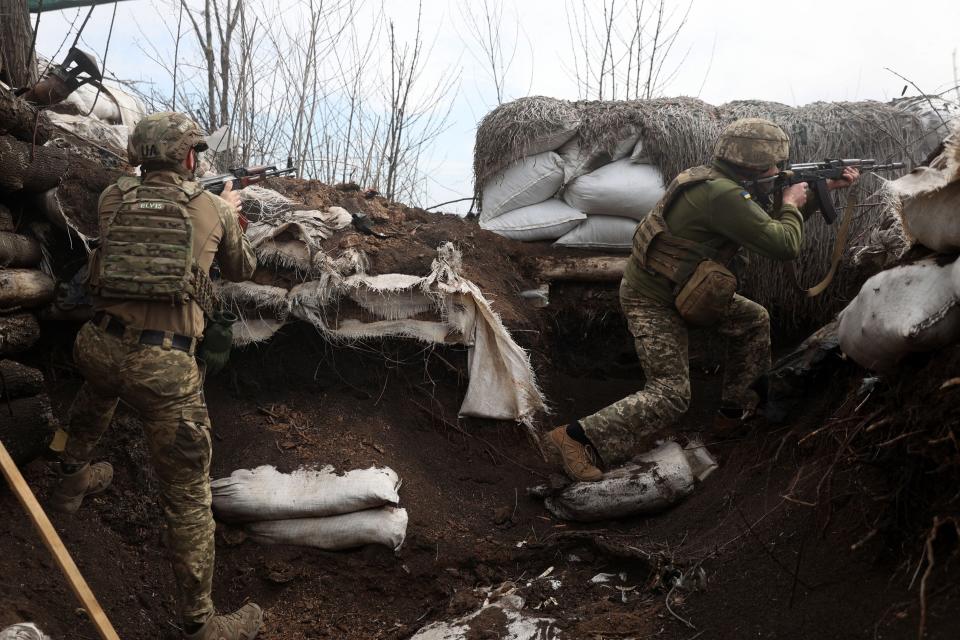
681,132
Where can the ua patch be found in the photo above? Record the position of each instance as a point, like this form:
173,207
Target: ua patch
746,195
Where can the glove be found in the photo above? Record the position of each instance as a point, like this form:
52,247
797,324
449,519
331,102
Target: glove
217,339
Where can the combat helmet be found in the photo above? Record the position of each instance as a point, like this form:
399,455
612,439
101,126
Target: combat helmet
163,140
753,143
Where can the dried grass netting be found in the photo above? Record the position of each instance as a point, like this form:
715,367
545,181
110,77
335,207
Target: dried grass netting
678,133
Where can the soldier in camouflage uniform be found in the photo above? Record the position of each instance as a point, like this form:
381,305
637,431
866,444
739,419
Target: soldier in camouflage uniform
150,280
708,209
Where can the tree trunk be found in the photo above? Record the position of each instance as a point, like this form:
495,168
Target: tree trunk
26,288
18,381
17,63
26,427
18,332
586,269
21,119
18,251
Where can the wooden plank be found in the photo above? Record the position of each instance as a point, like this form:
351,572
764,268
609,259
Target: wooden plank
580,269
55,545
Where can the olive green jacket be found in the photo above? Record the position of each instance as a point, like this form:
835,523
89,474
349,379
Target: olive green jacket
717,212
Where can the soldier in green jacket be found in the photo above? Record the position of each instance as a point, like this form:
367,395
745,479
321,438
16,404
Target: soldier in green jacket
707,214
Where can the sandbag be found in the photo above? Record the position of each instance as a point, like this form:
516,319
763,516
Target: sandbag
611,233
18,331
579,159
544,221
23,631
621,188
651,482
386,526
528,181
266,494
933,219
18,250
907,309
27,288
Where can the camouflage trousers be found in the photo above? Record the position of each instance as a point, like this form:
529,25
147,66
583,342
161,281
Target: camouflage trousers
165,387
620,430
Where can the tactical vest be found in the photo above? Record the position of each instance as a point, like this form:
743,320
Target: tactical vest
703,286
659,251
146,252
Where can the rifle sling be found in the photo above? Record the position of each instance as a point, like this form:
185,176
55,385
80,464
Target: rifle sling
839,246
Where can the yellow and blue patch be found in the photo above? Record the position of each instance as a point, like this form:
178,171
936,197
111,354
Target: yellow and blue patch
746,195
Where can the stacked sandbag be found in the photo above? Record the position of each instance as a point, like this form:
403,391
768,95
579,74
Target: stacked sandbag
651,482
913,307
587,190
314,508
26,420
24,288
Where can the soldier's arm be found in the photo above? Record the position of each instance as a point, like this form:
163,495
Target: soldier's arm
235,255
739,218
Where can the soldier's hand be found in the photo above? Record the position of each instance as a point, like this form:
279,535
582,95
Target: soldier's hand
796,194
850,176
231,196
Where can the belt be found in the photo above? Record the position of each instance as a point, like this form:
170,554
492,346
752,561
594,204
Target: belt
149,337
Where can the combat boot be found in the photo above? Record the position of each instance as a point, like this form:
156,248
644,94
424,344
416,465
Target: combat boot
578,459
242,624
74,487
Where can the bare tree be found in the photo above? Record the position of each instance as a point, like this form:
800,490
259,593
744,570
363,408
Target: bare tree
484,26
17,63
621,50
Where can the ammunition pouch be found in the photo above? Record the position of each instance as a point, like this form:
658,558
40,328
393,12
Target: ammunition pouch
217,341
705,296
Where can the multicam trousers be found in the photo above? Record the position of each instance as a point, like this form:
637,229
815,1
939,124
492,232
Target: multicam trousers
165,387
619,430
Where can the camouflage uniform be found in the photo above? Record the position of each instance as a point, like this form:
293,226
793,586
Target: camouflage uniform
623,428
165,388
715,213
163,384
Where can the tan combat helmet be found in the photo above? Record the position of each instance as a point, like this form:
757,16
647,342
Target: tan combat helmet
753,143
162,140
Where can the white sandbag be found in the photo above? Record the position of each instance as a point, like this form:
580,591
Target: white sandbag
266,494
611,233
578,160
651,482
621,188
544,221
933,219
23,631
386,526
907,309
93,129
528,181
516,625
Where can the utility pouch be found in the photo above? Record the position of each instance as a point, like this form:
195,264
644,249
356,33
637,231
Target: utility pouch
705,296
214,350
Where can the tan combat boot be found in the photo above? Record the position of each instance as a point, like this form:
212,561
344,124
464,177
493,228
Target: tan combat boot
242,624
74,487
579,461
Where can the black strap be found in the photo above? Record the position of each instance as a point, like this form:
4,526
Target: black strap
148,337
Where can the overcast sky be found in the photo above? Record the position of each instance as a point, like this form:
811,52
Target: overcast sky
793,53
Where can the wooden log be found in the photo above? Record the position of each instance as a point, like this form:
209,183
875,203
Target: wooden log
577,269
18,381
26,427
18,333
18,251
30,167
22,120
24,288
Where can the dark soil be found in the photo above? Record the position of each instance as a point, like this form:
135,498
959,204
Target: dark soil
781,559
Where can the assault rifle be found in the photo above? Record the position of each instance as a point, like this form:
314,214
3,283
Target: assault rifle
816,174
244,176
